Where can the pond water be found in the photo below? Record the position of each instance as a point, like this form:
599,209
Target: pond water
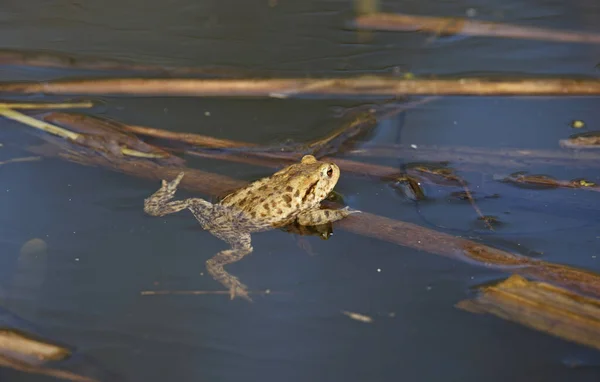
102,251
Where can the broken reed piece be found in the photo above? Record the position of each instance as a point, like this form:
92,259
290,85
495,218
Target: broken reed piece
454,26
45,105
541,306
450,175
587,140
366,86
18,344
37,124
27,353
544,181
201,292
358,317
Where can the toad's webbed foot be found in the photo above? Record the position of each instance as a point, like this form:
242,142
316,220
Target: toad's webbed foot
171,186
158,203
215,266
236,288
167,189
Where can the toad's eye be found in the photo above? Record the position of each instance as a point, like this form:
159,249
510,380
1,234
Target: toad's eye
330,172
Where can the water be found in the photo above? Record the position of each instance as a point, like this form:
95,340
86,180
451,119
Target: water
102,251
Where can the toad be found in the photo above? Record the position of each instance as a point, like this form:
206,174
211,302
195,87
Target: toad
292,194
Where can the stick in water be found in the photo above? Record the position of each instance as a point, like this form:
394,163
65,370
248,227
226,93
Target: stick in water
37,106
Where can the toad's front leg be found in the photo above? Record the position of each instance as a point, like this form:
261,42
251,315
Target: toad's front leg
318,217
240,248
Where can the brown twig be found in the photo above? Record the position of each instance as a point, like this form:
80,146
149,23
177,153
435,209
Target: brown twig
449,175
473,204
200,292
366,86
46,105
446,25
588,140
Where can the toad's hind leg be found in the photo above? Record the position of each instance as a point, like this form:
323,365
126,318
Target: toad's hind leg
159,204
240,248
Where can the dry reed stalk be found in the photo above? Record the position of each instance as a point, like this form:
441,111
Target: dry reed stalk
542,307
452,26
367,86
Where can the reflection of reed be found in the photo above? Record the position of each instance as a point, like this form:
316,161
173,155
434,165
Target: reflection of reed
542,307
451,26
61,60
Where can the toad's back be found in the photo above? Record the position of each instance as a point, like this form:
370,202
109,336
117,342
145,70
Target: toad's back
277,200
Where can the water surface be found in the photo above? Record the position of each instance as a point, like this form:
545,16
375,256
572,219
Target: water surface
103,251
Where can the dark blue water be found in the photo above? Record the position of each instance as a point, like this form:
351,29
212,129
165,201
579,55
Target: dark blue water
102,250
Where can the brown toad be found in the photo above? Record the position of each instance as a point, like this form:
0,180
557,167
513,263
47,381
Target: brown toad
292,194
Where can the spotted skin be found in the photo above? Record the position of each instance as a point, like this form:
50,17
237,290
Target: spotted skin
291,194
